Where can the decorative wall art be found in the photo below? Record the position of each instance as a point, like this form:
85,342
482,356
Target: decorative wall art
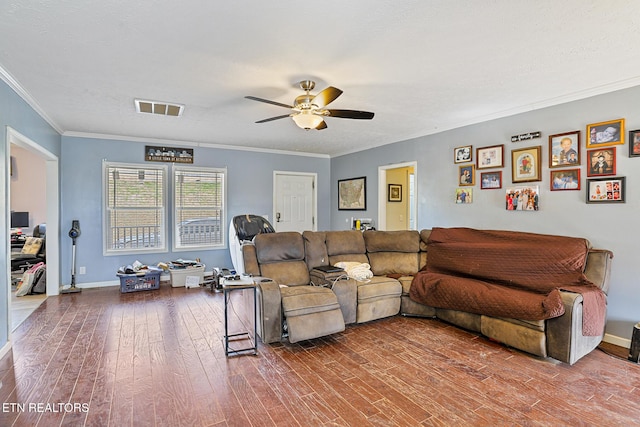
464,195
523,198
602,161
462,154
491,180
352,194
634,143
466,175
564,149
606,190
168,154
394,193
565,179
490,157
525,164
605,133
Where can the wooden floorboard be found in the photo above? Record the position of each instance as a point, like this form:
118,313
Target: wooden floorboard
156,358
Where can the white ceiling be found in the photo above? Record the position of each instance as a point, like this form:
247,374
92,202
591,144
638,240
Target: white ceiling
421,66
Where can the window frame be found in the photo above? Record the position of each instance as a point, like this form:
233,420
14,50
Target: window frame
106,228
223,210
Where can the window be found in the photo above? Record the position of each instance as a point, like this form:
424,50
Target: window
135,209
199,203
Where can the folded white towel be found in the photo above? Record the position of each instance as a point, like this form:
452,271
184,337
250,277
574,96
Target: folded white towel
356,270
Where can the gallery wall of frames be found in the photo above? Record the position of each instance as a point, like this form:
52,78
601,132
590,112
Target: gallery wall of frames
574,160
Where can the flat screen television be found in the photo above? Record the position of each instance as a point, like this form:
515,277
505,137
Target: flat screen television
19,219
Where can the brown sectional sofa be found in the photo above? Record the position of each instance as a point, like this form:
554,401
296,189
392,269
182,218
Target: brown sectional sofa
314,304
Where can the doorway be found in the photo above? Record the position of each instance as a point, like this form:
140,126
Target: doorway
397,206
17,141
294,201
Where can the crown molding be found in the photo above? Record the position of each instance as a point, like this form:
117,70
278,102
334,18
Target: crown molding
191,144
22,93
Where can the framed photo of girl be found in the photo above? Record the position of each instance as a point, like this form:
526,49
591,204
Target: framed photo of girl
634,143
564,149
602,162
462,154
605,133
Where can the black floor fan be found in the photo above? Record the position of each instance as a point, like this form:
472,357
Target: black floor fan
74,233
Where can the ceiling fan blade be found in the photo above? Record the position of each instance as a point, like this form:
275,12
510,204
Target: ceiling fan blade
321,126
270,119
279,104
351,114
326,96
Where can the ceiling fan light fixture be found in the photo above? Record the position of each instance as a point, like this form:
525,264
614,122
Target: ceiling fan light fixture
307,120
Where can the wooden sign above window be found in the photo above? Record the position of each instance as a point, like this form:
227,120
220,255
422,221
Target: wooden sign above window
154,153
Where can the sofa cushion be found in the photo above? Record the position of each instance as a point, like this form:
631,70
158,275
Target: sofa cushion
345,242
303,300
384,263
311,312
290,273
393,252
379,287
424,238
392,241
276,247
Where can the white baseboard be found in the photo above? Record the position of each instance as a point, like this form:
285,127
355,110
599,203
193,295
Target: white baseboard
615,340
164,277
5,349
98,284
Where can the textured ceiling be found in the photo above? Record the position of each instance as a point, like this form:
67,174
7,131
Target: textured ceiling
421,66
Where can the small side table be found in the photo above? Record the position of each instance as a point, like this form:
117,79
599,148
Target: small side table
228,286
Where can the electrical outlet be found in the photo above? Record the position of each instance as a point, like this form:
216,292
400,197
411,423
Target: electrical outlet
82,270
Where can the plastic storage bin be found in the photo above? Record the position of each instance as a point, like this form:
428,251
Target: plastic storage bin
139,282
179,275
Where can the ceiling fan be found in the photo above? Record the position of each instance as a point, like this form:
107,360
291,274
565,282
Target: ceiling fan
308,109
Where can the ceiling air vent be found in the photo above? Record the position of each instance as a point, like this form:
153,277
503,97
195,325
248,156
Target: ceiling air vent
161,108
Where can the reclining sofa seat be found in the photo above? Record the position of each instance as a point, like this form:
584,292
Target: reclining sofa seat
309,311
378,297
559,338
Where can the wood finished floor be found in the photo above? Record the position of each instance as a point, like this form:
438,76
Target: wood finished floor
156,358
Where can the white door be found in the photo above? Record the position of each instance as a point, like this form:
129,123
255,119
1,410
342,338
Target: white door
295,201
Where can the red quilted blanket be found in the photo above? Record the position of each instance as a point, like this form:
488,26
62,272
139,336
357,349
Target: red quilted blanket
507,274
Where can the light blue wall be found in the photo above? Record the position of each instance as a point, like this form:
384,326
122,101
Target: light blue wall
610,226
249,190
17,114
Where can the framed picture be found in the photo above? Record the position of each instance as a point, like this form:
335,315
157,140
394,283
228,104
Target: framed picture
467,174
602,161
462,154
564,149
606,190
464,195
565,179
525,164
634,143
490,157
491,180
523,198
605,133
394,193
352,194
